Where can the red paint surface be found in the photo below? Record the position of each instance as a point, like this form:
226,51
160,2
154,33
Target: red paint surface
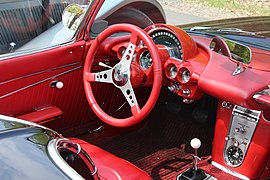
42,115
110,166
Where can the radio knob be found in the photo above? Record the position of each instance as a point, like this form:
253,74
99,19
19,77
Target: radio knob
239,130
236,143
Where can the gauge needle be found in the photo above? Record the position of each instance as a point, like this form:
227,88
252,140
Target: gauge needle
104,65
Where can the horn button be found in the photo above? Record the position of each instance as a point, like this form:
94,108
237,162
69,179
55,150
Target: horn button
120,75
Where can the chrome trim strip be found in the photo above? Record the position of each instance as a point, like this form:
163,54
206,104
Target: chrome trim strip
37,73
15,54
77,146
28,123
26,52
59,161
39,82
229,171
256,96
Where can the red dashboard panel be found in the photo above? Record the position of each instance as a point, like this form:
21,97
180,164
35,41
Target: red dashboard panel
218,80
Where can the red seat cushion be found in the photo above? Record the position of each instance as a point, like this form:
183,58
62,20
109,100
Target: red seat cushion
110,166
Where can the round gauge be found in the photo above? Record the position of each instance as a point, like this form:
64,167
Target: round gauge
145,60
235,155
185,76
173,72
170,41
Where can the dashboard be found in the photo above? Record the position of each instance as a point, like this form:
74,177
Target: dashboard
191,69
179,51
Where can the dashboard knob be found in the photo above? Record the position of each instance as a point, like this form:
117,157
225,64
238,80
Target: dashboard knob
236,143
239,130
186,92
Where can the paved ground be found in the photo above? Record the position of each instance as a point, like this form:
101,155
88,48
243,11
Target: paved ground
177,18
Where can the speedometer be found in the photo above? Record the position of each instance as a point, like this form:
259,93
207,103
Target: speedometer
170,41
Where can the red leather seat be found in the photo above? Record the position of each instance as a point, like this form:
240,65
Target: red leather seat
110,166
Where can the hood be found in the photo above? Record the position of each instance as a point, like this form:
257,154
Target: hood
260,24
23,151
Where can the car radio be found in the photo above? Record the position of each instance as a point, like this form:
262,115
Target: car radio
242,127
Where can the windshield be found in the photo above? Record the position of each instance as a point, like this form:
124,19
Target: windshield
239,20
30,25
33,24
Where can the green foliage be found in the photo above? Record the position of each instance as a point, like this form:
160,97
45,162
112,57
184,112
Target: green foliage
240,52
237,6
74,9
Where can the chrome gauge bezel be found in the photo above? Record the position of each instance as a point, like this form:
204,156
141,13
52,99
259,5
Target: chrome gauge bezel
163,32
173,72
230,156
185,76
143,57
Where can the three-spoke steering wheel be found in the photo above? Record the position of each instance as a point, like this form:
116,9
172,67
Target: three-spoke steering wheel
121,72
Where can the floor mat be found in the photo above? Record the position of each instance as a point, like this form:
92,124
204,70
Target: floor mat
162,147
165,164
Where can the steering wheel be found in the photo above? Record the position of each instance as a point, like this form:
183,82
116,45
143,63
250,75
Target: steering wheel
121,72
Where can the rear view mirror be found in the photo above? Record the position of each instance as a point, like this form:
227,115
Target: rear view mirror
72,16
239,52
234,50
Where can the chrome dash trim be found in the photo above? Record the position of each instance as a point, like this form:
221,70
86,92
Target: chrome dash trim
39,82
59,161
229,171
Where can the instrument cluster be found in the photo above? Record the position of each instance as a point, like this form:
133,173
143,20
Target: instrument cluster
177,48
170,41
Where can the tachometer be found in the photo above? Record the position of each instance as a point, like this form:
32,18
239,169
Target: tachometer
145,60
170,41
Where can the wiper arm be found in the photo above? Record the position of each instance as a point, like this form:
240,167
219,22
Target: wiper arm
234,31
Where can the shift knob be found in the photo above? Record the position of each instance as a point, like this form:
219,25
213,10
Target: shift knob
195,143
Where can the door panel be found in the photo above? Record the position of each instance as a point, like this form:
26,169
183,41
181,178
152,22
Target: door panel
39,62
25,86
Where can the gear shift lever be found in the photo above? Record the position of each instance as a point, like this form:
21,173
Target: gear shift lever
195,144
193,173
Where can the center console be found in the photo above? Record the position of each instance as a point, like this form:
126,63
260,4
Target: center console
241,142
242,127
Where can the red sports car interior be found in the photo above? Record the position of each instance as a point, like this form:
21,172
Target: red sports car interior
136,106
